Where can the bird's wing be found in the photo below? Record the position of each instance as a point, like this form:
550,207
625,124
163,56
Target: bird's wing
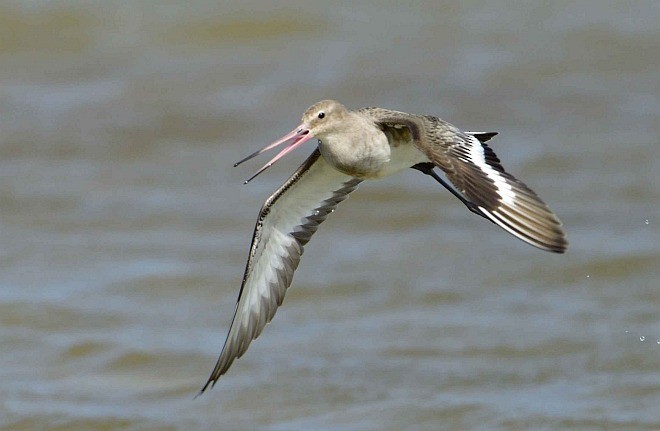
286,222
477,173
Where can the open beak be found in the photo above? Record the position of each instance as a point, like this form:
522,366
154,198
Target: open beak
300,135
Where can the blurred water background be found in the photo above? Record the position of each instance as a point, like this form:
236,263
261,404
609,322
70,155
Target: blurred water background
124,228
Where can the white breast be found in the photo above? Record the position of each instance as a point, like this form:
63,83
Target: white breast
364,151
402,157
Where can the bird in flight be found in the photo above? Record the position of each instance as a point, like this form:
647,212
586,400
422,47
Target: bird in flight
367,144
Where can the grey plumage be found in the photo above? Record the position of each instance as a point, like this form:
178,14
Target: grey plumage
524,215
369,143
283,256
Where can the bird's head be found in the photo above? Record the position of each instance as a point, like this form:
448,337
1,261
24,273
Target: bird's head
319,120
324,117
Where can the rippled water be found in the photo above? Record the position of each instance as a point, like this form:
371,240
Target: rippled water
124,229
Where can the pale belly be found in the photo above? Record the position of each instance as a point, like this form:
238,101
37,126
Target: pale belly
402,157
371,158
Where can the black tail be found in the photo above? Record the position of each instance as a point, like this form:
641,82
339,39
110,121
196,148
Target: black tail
483,137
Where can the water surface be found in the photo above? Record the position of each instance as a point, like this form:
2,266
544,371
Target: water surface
125,229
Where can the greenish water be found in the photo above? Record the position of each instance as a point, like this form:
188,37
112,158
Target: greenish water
124,227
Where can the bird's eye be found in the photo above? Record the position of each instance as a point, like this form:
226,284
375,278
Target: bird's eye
321,115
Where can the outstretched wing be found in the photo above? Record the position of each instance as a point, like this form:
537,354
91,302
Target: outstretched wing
477,173
286,223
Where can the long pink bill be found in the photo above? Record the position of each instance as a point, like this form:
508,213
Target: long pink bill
300,136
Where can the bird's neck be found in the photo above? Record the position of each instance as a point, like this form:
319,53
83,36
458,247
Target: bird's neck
361,150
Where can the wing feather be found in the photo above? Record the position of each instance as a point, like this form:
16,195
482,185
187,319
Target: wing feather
477,173
286,222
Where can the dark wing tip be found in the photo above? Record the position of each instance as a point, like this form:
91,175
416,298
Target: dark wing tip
543,232
215,375
210,383
262,292
523,214
476,171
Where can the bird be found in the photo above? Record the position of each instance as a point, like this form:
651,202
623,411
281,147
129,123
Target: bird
356,146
